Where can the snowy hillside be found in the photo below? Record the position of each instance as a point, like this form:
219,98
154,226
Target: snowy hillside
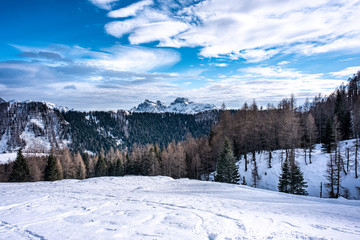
33,126
180,105
163,208
314,174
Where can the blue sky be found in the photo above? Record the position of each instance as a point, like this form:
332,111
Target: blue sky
113,54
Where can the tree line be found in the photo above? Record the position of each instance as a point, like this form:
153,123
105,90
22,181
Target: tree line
241,133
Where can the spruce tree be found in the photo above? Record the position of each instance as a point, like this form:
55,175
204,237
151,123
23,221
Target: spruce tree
119,168
329,137
20,171
52,172
297,183
111,169
227,170
100,169
284,179
292,180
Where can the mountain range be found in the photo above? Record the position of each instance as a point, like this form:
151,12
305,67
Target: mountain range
40,126
179,105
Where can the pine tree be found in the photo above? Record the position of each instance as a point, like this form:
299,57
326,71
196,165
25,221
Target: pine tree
100,169
119,168
20,171
227,170
111,169
297,182
329,137
284,179
292,180
52,172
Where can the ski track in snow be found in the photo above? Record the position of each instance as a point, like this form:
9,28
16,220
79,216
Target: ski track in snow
136,207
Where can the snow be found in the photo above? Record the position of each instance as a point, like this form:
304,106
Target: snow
4,142
89,152
135,207
314,174
7,157
54,106
33,142
38,122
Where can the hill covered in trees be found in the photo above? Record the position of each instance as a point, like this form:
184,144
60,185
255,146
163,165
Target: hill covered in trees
179,145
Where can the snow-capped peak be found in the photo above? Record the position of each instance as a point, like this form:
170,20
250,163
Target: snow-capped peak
182,101
149,106
49,105
54,106
180,105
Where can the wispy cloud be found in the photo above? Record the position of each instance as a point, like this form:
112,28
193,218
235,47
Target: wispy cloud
110,73
266,85
130,10
283,63
72,87
221,64
347,72
261,28
104,4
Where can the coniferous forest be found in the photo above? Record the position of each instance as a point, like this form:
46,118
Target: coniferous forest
180,145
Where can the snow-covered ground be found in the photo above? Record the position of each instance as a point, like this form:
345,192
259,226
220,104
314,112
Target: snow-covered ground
163,208
314,174
7,157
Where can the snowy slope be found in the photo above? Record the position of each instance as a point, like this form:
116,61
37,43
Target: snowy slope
314,173
180,105
32,126
163,208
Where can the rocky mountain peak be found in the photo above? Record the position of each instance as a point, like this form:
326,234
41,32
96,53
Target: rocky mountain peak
179,105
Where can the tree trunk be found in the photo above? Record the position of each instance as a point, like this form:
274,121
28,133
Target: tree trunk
348,159
321,190
305,155
270,156
246,162
338,170
342,161
356,154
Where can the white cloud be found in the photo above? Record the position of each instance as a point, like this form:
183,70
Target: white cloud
221,64
265,84
121,58
104,4
119,28
258,55
109,78
157,31
117,57
347,72
146,17
130,10
255,31
283,63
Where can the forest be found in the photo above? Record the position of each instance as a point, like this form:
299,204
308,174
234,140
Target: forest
237,133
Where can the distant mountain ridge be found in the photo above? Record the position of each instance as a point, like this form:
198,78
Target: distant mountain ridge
180,105
41,126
